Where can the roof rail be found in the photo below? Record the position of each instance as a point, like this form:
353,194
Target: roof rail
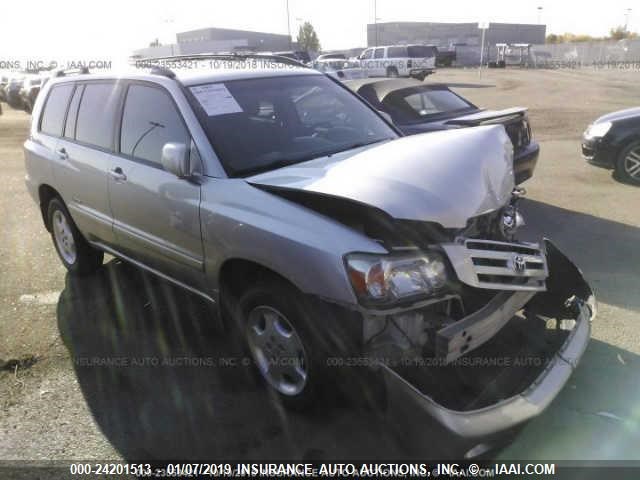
164,71
214,56
73,71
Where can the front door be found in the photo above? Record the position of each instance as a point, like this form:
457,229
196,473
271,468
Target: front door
156,214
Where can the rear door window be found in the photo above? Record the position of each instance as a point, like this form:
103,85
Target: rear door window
96,117
70,125
55,109
397,52
421,51
150,120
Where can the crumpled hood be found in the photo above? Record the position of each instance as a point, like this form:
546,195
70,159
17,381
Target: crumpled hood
445,177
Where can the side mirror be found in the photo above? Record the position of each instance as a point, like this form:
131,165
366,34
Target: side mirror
174,159
386,116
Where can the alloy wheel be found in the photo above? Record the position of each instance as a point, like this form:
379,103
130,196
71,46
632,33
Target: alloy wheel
632,163
277,350
64,237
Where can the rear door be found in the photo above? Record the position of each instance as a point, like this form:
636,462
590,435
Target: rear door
83,156
156,214
422,56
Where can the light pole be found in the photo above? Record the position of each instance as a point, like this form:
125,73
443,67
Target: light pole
289,26
539,15
375,19
626,19
482,26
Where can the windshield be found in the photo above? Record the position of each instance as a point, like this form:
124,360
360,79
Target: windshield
413,104
259,124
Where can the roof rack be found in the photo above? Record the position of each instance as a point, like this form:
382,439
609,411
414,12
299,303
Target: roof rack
163,70
74,71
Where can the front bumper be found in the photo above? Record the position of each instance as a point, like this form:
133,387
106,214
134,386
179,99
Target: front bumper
525,161
598,152
408,406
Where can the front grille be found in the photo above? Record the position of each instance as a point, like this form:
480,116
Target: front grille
499,265
520,133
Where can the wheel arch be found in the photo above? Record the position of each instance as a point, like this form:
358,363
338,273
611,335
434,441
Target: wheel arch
45,194
234,273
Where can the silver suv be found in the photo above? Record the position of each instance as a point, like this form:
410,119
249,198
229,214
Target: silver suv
328,241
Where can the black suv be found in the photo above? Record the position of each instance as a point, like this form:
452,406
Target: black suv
613,141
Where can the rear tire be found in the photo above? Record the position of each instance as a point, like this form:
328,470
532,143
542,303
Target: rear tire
392,72
74,251
628,164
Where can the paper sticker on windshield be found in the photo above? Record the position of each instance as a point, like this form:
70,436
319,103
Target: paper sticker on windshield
216,99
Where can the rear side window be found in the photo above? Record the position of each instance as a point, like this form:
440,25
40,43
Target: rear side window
96,117
396,52
55,109
421,51
70,125
149,121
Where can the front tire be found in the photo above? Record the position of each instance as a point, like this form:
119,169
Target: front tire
74,251
628,164
276,323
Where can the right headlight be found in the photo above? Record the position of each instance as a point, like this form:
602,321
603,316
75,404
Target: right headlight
598,130
383,279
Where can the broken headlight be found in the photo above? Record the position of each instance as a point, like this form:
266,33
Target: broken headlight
387,279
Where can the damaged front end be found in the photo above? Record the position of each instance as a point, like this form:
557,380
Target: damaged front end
498,330
465,323
493,352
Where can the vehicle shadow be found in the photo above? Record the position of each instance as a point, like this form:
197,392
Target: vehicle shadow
606,251
163,381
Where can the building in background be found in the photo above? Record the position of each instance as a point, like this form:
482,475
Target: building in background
447,35
217,40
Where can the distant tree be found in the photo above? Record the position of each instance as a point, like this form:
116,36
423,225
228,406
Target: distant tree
570,37
308,38
552,38
155,43
621,33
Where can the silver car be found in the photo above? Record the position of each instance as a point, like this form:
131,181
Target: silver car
340,252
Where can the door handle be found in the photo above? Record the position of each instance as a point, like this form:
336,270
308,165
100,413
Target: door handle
118,175
62,154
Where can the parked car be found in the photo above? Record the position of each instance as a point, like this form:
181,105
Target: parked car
416,61
418,107
331,56
340,69
613,141
324,234
299,55
29,91
12,91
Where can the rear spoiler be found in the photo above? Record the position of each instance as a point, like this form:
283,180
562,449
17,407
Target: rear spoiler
489,117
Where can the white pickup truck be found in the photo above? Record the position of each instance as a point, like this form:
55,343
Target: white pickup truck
416,61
